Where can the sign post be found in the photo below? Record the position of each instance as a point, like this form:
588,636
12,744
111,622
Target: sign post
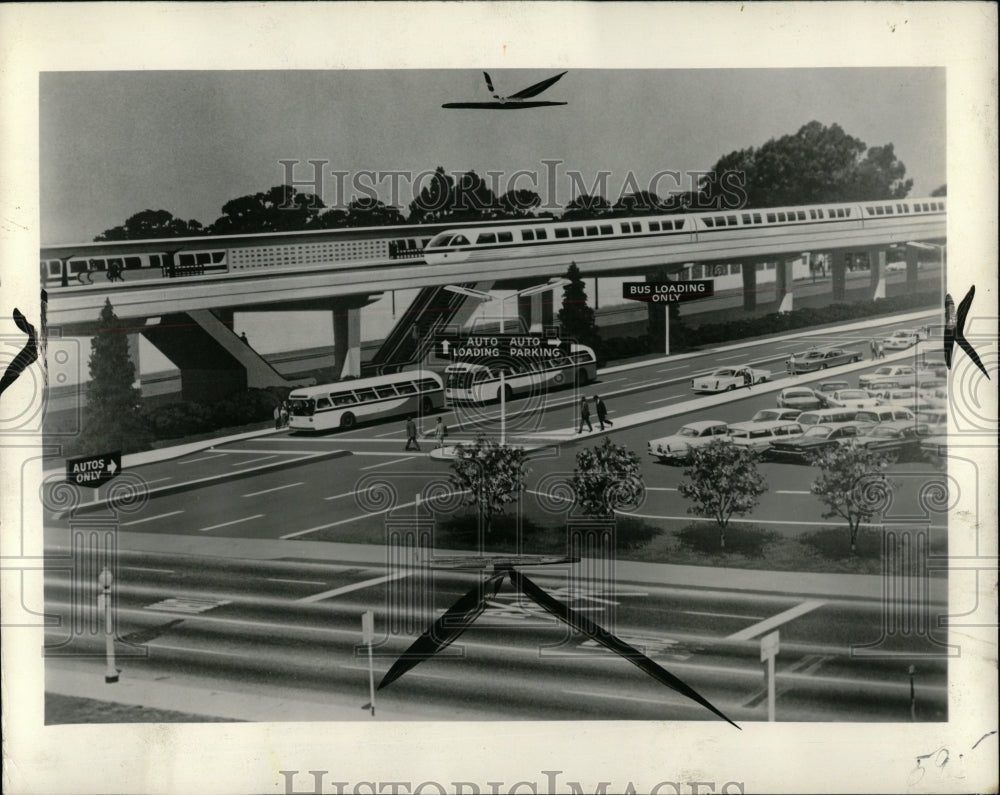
503,409
668,292
104,580
768,651
368,637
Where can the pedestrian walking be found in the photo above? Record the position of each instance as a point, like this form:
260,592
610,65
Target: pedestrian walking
439,432
585,415
747,378
277,417
879,353
284,413
874,348
602,412
411,433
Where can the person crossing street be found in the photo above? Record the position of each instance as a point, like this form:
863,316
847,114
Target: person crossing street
602,412
585,415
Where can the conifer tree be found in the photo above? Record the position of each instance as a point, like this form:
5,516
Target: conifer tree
576,317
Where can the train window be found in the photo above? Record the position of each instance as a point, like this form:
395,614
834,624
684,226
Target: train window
870,210
720,220
591,231
606,229
731,220
459,240
77,266
781,217
812,214
218,257
576,231
736,269
636,226
540,234
879,211
203,258
888,211
527,234
486,238
505,237
802,215
626,228
709,222
55,268
760,266
771,218
562,232
98,264
746,218
654,226
133,262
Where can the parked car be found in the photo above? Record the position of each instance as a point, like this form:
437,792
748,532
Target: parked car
799,397
678,446
900,340
935,449
814,439
879,414
933,365
726,378
895,440
760,436
936,420
850,398
895,267
896,375
909,399
820,359
775,415
826,387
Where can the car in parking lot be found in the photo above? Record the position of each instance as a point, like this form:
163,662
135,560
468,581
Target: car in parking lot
799,397
814,439
896,440
879,414
759,436
826,387
677,446
820,359
895,267
933,364
896,375
727,378
773,415
900,340
935,449
850,398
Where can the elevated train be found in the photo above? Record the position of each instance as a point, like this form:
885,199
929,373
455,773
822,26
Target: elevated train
251,255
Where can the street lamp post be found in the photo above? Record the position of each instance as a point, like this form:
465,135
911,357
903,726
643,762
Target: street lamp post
104,580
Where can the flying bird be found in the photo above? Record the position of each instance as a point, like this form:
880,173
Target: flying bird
954,329
514,101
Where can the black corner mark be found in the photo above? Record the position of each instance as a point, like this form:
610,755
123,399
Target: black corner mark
954,329
25,357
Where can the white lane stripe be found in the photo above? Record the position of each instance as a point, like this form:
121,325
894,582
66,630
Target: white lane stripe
234,521
147,568
776,621
791,491
722,615
254,460
276,488
664,400
157,480
792,344
151,518
340,496
355,587
203,458
676,367
388,463
251,451
397,432
297,582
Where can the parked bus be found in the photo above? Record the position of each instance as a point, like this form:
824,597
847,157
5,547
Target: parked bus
480,383
346,403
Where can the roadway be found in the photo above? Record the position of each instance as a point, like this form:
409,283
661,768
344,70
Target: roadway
291,624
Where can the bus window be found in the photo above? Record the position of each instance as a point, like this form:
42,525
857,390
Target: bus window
323,403
365,394
341,399
406,388
385,391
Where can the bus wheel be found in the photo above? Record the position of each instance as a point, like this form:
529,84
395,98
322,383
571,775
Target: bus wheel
427,404
347,420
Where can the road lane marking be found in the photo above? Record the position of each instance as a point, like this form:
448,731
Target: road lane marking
663,400
791,491
341,496
234,521
198,651
203,458
255,460
618,696
397,432
147,568
354,587
722,615
367,515
388,463
776,621
251,451
297,582
276,488
151,518
792,344
677,367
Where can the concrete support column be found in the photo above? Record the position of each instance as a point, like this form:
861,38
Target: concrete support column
346,340
133,356
548,303
912,263
876,262
749,270
783,285
525,312
838,274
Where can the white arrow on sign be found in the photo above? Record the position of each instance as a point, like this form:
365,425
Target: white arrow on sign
554,343
445,345
112,468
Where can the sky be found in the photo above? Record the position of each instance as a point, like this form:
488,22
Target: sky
116,143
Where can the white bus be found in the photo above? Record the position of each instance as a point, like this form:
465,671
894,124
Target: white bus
480,383
346,403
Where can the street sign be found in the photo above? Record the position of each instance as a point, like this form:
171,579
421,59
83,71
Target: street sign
525,347
93,470
768,646
668,292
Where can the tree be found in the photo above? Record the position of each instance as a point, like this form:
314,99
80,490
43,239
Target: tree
280,209
445,199
606,478
816,164
491,474
150,225
723,481
518,203
366,211
642,202
111,418
851,484
576,317
941,190
586,206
